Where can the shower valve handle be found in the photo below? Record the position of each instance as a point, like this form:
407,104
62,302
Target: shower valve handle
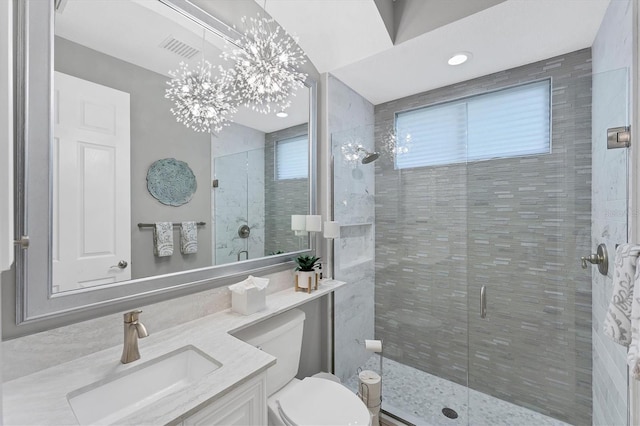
594,259
600,258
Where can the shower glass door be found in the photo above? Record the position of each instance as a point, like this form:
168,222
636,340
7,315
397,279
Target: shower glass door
239,206
529,221
402,251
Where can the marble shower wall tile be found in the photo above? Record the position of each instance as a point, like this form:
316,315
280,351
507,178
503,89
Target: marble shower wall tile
516,225
354,195
230,200
612,54
351,125
239,199
256,203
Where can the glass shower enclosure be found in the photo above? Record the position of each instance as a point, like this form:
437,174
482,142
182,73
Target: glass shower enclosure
469,271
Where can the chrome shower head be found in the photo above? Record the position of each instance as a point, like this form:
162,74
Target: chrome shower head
369,157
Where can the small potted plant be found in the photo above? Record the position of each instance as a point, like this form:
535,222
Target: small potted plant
306,274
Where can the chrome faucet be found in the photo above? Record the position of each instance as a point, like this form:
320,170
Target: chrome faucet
245,252
133,329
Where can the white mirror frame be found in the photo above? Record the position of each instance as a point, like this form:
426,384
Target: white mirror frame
35,301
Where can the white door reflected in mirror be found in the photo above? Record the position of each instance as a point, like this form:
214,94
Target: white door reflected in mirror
91,184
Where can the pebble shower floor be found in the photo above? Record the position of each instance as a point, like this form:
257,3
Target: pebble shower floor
420,397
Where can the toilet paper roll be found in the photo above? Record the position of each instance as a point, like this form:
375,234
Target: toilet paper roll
331,229
373,345
369,389
298,222
314,223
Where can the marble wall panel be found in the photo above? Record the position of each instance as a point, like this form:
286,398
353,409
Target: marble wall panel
26,355
351,125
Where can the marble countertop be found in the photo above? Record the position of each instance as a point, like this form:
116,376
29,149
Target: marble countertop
41,398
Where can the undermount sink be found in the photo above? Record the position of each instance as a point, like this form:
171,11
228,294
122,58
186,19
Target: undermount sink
113,398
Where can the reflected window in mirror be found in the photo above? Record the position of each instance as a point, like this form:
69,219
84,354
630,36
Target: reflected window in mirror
292,158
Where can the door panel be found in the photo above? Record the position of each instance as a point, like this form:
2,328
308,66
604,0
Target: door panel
530,219
609,226
92,207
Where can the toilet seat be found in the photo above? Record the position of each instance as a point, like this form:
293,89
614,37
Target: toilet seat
315,401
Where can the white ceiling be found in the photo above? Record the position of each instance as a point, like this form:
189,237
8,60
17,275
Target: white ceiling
349,39
333,33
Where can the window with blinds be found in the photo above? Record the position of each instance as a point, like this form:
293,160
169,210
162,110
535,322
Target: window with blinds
506,123
292,158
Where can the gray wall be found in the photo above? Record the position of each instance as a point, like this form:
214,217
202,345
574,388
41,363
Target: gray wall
155,134
517,226
283,198
612,50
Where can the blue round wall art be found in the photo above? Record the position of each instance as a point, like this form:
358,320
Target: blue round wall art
171,182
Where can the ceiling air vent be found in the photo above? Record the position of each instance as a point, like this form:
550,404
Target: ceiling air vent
178,47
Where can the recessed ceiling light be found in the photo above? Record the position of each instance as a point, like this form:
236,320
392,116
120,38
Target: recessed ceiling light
459,58
281,114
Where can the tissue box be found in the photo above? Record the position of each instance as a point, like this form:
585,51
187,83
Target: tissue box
249,302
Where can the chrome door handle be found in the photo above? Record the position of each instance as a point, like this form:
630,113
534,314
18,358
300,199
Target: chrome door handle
483,301
122,265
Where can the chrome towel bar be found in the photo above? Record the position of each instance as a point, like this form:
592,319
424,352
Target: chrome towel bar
151,225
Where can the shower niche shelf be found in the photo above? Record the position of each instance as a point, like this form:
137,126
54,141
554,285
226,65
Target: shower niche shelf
355,246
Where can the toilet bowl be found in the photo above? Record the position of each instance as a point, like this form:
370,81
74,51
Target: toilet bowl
318,400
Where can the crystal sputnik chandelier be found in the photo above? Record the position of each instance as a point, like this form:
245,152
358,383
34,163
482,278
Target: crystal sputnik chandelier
201,102
266,66
396,145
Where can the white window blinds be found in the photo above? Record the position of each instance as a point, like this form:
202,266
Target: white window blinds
292,158
505,123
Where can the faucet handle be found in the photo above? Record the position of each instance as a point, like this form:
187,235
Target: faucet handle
132,316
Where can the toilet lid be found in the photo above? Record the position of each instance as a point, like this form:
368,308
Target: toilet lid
315,401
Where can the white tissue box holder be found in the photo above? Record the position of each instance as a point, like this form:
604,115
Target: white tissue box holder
249,302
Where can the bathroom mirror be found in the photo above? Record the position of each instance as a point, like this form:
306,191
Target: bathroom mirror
83,200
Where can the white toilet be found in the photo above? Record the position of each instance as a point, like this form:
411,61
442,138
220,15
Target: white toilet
317,400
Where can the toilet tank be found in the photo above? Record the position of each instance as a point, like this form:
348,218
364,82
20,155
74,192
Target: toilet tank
280,336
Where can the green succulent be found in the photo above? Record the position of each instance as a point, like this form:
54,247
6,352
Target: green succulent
306,263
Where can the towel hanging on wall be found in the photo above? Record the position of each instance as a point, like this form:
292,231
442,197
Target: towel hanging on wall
163,239
188,237
622,322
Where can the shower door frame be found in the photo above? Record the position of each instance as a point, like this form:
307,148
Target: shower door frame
633,219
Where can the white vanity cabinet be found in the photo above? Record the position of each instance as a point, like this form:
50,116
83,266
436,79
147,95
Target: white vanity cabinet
245,405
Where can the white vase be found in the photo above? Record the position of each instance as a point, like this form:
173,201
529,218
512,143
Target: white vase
307,280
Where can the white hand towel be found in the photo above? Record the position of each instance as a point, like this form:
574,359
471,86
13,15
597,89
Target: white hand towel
188,238
163,239
633,356
617,323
